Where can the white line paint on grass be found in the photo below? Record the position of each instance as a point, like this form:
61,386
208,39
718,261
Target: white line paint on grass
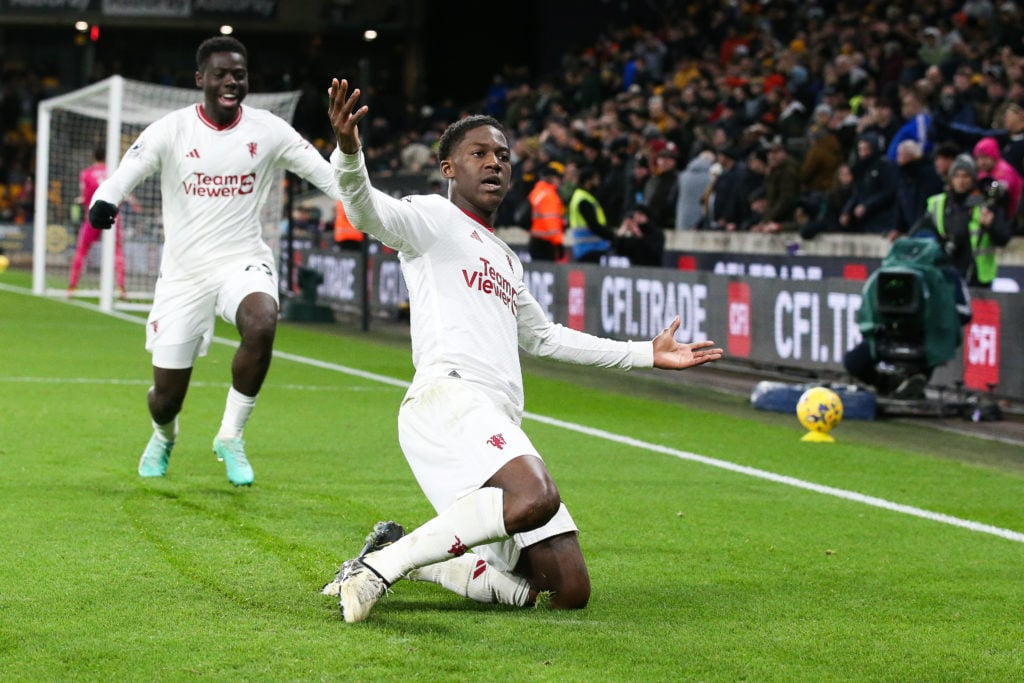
783,479
374,377
853,496
713,462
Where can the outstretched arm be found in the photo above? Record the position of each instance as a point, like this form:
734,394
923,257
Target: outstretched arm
671,355
344,116
539,336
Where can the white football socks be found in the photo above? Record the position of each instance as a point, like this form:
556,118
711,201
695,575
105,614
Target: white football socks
167,432
471,577
236,414
474,519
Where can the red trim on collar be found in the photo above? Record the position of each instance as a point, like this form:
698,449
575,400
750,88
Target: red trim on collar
477,219
210,122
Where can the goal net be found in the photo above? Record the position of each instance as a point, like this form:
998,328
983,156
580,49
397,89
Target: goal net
111,114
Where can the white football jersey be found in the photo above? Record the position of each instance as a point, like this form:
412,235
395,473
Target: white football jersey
470,309
214,182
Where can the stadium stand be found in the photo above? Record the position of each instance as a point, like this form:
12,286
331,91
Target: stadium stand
779,92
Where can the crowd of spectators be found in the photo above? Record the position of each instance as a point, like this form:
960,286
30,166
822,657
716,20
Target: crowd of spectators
21,89
769,116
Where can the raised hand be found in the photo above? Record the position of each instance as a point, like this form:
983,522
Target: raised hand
344,115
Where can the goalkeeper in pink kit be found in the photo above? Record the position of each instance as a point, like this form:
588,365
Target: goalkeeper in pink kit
217,163
502,533
88,180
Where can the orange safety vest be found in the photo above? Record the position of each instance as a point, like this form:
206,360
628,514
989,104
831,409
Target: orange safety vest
344,231
548,213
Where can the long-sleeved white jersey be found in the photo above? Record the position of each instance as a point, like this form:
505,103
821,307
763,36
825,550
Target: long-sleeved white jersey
470,309
214,182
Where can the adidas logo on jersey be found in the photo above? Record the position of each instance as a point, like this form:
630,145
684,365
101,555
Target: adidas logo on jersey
475,236
194,154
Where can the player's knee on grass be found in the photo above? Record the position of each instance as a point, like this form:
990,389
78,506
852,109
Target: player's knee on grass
572,593
556,566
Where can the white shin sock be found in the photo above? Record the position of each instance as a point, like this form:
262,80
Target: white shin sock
167,432
471,577
237,410
474,519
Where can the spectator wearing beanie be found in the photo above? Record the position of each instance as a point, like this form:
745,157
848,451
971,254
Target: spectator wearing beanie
969,228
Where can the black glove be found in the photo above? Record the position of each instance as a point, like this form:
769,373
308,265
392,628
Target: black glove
102,214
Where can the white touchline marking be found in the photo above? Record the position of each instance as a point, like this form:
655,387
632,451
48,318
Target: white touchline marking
783,479
1008,534
383,379
713,462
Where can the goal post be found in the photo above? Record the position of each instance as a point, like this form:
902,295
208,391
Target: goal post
112,113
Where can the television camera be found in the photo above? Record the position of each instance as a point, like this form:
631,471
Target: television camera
909,315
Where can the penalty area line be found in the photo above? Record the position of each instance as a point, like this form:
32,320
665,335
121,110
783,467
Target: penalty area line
148,382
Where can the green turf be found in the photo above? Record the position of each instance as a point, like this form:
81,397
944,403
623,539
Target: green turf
699,573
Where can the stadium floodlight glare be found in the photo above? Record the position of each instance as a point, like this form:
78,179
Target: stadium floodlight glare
227,30
81,26
113,112
369,35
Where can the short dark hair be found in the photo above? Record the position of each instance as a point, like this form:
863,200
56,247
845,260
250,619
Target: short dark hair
99,153
456,132
219,44
589,172
947,149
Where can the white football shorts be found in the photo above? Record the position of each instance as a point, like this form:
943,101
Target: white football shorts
180,325
455,435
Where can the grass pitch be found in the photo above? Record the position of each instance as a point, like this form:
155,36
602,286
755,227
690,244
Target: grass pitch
721,547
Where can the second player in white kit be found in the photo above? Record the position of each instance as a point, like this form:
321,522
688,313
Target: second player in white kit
217,163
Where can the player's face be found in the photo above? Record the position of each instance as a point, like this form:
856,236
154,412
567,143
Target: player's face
225,83
479,171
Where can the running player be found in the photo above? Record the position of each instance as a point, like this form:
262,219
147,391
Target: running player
459,424
216,161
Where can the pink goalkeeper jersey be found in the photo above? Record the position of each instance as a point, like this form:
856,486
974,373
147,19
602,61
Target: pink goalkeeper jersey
89,179
214,182
470,309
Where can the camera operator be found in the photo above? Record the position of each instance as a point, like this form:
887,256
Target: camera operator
968,224
969,221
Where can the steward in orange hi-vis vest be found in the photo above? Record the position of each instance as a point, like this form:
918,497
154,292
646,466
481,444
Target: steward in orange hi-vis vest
547,224
346,236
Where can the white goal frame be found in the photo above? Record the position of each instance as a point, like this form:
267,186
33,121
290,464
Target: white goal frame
127,106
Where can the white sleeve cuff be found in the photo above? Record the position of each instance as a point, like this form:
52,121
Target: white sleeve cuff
346,162
641,354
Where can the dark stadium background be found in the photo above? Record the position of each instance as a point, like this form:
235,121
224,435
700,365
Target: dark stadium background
427,51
